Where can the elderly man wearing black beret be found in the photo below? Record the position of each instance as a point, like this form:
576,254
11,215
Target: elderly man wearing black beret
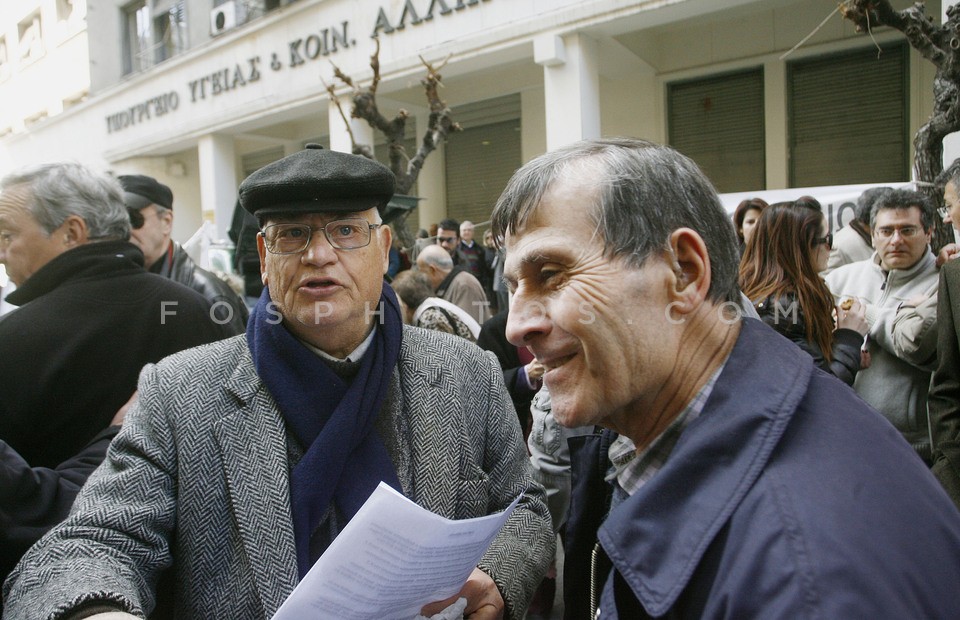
243,460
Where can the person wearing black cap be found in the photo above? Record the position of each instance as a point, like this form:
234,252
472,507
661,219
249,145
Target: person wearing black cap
150,205
242,461
89,318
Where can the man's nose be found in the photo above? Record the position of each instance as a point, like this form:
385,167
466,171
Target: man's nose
319,250
528,319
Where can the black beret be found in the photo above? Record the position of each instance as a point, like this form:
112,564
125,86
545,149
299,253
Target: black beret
142,191
316,180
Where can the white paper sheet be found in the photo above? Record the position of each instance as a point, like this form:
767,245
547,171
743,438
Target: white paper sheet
391,559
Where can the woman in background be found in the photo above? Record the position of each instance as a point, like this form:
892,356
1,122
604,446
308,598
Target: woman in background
779,272
745,219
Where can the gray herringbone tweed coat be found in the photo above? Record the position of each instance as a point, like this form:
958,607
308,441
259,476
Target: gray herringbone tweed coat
198,480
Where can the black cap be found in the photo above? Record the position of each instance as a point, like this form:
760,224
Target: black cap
316,180
142,191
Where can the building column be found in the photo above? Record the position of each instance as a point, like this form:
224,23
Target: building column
432,182
533,124
777,146
339,136
571,80
218,180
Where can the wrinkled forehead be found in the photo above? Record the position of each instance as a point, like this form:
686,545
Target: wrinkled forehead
15,201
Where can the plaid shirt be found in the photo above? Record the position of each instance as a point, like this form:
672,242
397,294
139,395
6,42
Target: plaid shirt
631,469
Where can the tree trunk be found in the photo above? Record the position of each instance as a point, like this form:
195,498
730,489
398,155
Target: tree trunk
941,46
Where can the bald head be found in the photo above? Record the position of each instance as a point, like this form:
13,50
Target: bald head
466,231
435,263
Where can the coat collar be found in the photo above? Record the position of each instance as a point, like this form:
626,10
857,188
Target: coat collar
896,276
93,259
657,537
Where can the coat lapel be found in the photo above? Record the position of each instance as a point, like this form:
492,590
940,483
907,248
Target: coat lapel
433,412
253,446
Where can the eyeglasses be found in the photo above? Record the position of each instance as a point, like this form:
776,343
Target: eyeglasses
826,240
886,232
350,234
136,218
446,239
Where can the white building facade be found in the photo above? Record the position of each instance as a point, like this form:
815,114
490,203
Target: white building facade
199,93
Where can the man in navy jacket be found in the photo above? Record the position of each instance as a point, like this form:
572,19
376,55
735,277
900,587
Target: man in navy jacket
743,482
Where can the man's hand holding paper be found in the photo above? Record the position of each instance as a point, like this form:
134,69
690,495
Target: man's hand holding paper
483,599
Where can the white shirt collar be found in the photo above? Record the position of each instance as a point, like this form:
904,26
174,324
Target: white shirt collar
354,355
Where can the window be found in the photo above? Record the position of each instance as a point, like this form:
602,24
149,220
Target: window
136,37
719,123
151,37
171,29
847,120
31,41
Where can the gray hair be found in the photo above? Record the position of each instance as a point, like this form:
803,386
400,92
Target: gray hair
646,191
904,199
866,201
412,287
60,190
950,175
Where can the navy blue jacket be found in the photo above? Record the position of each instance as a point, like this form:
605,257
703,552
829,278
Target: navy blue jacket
788,497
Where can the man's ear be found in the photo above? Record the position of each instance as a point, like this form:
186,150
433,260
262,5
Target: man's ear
262,253
691,270
386,240
75,231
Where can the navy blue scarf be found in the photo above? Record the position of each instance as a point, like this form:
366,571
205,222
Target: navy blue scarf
345,458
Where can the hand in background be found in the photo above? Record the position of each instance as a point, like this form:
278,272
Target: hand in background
855,317
534,370
122,412
947,252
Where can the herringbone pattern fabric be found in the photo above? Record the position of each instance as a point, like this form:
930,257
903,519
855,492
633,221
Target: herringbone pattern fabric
199,478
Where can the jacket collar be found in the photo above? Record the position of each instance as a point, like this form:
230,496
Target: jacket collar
93,259
657,537
897,276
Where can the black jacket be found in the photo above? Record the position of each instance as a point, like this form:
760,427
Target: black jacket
845,353
88,321
34,499
227,306
493,337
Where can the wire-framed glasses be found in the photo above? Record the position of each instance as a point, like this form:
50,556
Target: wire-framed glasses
906,232
348,234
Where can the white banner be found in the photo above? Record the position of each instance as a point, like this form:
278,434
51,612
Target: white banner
839,201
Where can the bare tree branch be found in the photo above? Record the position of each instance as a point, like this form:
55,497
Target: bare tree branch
440,124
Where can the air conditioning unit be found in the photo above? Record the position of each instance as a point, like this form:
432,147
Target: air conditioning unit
225,17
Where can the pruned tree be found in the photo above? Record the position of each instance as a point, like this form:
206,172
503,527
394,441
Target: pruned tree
941,46
405,169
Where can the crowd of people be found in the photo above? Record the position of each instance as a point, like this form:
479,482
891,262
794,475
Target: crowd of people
746,416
